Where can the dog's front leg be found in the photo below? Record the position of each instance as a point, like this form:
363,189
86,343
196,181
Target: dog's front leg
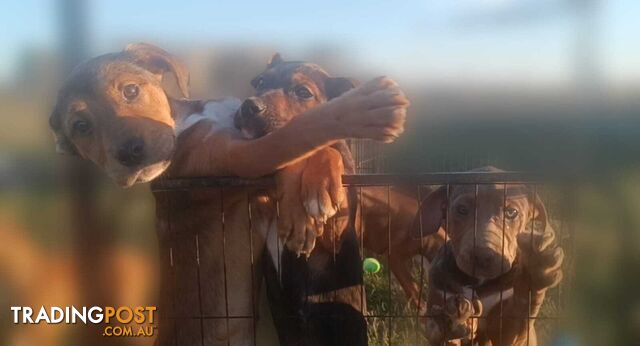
540,270
316,183
322,191
375,110
295,226
511,326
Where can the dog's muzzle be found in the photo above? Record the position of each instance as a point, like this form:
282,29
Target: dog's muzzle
252,107
131,153
250,118
483,262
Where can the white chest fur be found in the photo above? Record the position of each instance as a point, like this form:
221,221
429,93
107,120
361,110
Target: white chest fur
489,301
220,112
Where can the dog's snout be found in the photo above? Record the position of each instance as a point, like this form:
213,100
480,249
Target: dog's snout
483,262
252,107
131,153
484,258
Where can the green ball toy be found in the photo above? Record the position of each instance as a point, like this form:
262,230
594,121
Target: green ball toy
371,265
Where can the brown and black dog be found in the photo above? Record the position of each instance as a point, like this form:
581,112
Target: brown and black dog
285,90
310,189
500,247
114,111
314,300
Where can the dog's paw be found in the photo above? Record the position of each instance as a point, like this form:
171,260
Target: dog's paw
458,308
460,312
321,189
542,259
295,227
375,110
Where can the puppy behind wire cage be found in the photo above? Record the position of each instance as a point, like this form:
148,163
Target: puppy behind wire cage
391,316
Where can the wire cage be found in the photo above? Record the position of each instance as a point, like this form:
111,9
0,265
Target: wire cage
191,312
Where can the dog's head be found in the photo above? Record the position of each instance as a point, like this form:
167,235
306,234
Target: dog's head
475,220
114,111
284,90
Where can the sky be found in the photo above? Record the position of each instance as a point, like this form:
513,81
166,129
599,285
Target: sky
411,39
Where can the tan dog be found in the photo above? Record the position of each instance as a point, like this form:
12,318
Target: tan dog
114,111
503,259
285,90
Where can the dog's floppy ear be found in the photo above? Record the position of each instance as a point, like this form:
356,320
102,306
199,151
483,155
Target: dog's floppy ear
276,59
63,144
540,215
159,62
431,213
337,86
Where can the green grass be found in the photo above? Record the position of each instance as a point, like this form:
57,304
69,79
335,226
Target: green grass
391,319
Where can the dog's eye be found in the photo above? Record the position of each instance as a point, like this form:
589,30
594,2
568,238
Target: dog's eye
81,127
511,213
462,210
302,92
130,92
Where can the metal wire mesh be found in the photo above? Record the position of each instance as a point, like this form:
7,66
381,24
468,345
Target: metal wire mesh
190,317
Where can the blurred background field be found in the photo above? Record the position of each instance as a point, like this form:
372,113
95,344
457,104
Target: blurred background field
549,86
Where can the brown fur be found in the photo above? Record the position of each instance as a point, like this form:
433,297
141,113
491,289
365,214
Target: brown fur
190,223
318,179
316,182
93,93
492,253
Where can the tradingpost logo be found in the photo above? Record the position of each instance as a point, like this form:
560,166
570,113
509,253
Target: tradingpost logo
120,321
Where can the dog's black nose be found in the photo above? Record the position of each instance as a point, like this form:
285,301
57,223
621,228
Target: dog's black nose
131,153
252,107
